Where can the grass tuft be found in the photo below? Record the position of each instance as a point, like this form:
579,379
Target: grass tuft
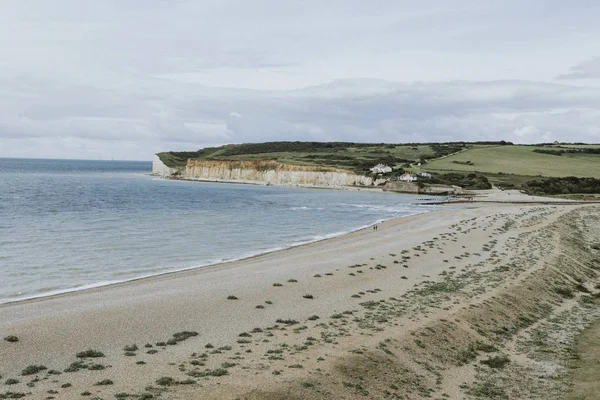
33,369
287,321
496,362
181,336
90,354
165,381
104,382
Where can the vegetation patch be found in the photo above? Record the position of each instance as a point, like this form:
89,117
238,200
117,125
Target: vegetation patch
209,372
471,181
76,366
33,369
567,185
12,395
166,381
287,321
496,362
90,354
181,336
488,390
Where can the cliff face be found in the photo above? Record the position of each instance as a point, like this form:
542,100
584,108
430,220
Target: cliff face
272,173
264,173
160,169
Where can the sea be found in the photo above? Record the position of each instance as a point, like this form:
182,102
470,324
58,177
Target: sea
68,225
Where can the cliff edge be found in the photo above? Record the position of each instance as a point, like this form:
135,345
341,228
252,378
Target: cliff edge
262,172
160,169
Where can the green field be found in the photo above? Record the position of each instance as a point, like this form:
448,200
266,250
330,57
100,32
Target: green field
344,158
519,160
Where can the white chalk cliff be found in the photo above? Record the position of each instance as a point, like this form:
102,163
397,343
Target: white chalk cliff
263,173
160,169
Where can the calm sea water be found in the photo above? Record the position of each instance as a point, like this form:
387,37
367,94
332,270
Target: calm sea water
67,225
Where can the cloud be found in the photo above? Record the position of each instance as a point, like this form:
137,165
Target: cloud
127,78
589,69
348,110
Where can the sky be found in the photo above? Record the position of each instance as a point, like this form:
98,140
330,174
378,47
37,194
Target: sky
125,79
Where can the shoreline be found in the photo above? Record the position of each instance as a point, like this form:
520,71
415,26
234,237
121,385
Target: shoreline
365,308
96,286
375,189
441,206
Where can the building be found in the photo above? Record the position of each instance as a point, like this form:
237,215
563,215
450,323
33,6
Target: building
424,174
407,178
381,169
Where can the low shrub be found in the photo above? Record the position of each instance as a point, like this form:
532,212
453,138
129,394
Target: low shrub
33,369
496,362
90,354
287,321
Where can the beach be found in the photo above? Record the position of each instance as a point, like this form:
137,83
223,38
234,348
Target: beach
397,312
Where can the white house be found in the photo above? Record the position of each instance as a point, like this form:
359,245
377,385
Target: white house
424,174
407,177
381,169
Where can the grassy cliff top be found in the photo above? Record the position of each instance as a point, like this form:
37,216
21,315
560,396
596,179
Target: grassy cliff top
358,157
490,158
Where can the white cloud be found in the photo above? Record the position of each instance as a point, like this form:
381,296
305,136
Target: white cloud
589,69
527,130
127,78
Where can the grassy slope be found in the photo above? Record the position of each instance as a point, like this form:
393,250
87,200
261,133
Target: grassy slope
337,158
357,157
585,365
519,160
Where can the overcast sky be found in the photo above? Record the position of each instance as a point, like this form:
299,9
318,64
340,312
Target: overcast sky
129,78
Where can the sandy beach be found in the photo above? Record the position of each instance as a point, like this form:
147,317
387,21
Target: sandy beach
405,311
